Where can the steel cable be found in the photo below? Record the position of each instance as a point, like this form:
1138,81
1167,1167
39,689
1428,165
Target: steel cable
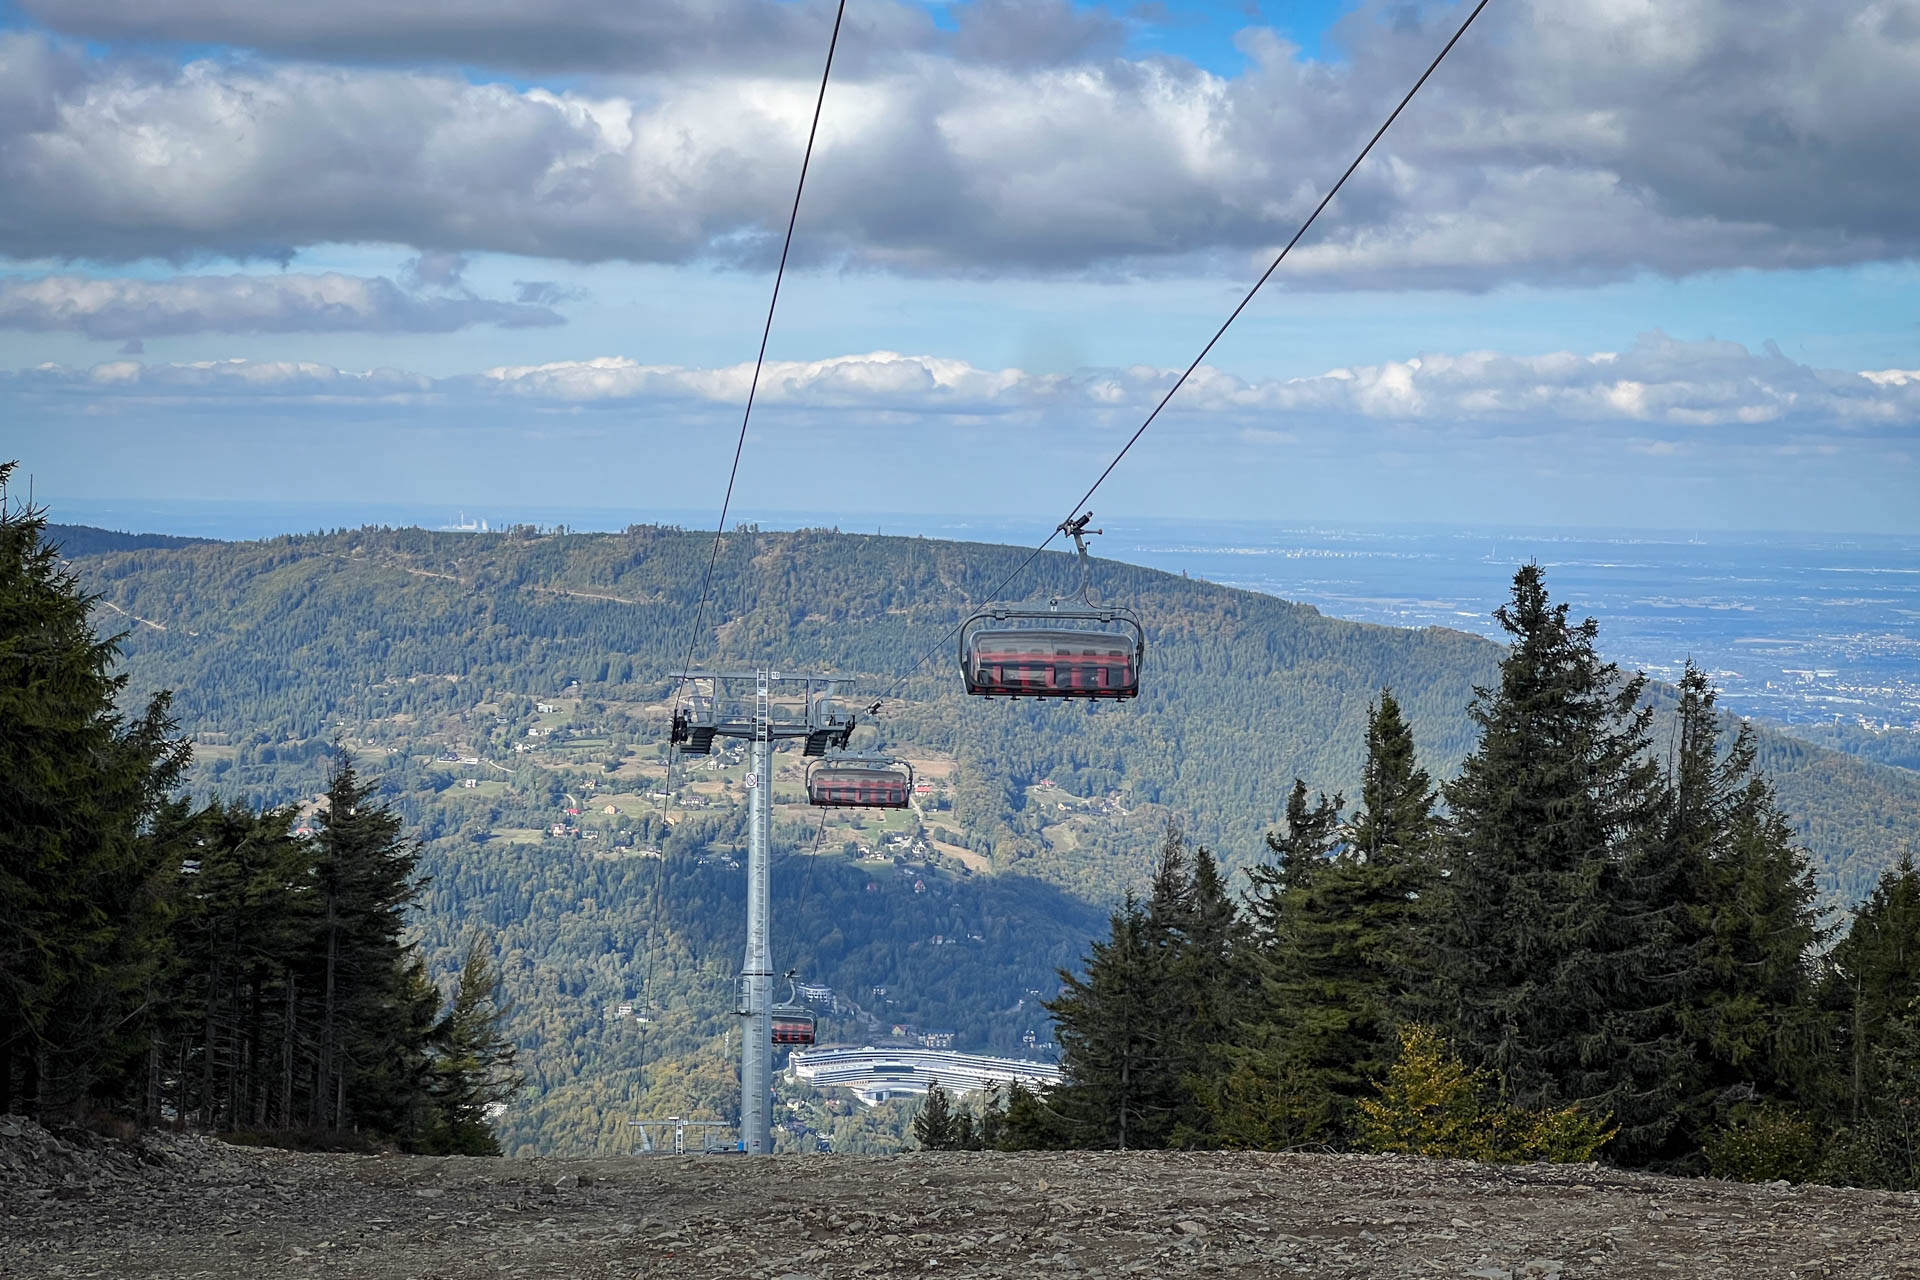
760,360
733,474
1181,381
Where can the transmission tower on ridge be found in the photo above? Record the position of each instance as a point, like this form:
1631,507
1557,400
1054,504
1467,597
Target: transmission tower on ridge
761,707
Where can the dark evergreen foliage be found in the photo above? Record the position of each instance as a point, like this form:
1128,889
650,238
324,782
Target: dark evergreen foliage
1735,898
371,1059
935,1128
1619,943
1546,963
1141,1033
202,965
1872,982
474,1063
82,879
1396,822
1336,922
1124,1090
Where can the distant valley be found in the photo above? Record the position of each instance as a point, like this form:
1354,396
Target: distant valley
510,688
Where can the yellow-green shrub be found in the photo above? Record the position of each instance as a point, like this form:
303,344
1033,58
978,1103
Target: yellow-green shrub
1764,1143
1430,1104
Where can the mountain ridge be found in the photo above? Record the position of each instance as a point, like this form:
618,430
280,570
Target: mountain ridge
1320,672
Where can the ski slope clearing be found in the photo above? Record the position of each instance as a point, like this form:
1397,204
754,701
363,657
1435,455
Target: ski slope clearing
187,1207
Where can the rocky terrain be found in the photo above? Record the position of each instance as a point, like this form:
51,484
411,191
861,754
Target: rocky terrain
75,1205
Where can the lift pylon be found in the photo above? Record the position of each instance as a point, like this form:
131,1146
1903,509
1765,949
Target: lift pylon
762,707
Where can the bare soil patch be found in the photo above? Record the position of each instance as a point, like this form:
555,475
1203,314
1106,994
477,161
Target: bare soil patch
173,1207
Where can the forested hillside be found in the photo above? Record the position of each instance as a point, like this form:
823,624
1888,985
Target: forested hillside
511,688
85,540
388,637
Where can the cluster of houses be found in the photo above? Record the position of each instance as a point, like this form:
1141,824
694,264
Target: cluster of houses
931,1039
622,1011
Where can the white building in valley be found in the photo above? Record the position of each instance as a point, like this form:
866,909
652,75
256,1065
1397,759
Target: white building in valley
876,1075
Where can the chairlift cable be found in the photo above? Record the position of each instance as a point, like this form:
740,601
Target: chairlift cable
1281,257
1318,209
813,852
739,447
733,474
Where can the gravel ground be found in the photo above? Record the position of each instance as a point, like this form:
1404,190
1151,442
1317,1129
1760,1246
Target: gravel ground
72,1206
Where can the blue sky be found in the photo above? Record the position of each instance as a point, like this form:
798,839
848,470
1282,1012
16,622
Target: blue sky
1614,267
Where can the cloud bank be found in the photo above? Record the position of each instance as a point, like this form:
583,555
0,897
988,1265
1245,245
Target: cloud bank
131,308
1716,387
1567,141
598,35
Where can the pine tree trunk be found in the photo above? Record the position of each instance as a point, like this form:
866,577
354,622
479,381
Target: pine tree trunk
236,1066
287,1032
1859,1052
256,1088
326,1028
206,1048
9,1029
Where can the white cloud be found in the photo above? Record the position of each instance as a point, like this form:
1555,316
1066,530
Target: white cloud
288,303
1566,141
1712,387
227,380
881,381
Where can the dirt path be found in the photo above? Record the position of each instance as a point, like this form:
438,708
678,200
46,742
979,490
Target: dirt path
145,622
204,1211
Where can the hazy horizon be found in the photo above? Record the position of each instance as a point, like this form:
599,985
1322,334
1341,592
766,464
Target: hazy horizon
246,519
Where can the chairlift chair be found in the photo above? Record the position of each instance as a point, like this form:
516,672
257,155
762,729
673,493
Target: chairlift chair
1090,651
859,782
792,1021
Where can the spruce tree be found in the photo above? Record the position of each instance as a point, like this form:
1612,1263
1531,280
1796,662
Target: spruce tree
1545,965
1119,1091
473,1059
1338,972
1395,823
1341,911
1889,1136
1735,896
240,933
934,1127
1031,1122
1260,1094
1310,835
370,1030
1873,977
82,884
1766,932
1208,988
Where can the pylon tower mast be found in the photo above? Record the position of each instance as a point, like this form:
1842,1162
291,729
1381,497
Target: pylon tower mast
762,707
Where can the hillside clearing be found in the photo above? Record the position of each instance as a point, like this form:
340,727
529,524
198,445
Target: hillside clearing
188,1207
